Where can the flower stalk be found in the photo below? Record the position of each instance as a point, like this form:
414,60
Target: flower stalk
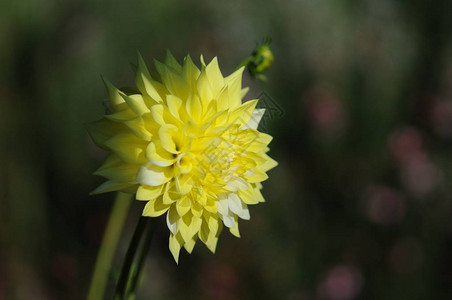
137,267
130,270
109,244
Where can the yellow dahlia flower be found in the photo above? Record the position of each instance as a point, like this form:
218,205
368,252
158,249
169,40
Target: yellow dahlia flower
187,145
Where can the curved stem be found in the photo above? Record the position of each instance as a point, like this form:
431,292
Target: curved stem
121,286
135,276
245,62
107,249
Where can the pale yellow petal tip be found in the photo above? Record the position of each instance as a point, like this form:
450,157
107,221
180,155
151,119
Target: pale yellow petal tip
190,245
110,186
111,89
103,188
94,192
175,246
212,248
235,231
140,60
161,67
243,92
239,70
212,244
172,62
175,254
106,82
203,63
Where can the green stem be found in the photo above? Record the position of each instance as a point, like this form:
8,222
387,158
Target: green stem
115,223
121,286
135,276
245,62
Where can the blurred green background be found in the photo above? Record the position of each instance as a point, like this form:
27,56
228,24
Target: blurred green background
360,206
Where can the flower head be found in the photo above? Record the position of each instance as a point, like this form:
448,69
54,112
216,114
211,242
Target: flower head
186,144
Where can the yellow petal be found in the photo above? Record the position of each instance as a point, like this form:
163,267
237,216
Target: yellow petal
171,195
110,186
147,193
236,184
215,77
209,112
242,114
159,156
174,105
234,83
204,89
168,136
260,143
184,183
194,108
184,164
197,210
204,231
183,205
174,82
138,128
250,196
235,230
256,117
172,62
223,100
116,170
243,92
114,97
155,208
211,206
269,163
136,103
175,244
211,243
144,81
128,147
190,245
259,176
173,219
189,227
190,72
102,130
153,175
213,223
157,114
120,116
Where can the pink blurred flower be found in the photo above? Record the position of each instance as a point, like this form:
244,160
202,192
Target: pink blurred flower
325,110
385,205
421,175
219,281
405,144
417,172
342,282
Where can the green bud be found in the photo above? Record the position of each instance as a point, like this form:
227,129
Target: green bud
260,60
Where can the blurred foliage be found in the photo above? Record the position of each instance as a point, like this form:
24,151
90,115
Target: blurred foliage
360,206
